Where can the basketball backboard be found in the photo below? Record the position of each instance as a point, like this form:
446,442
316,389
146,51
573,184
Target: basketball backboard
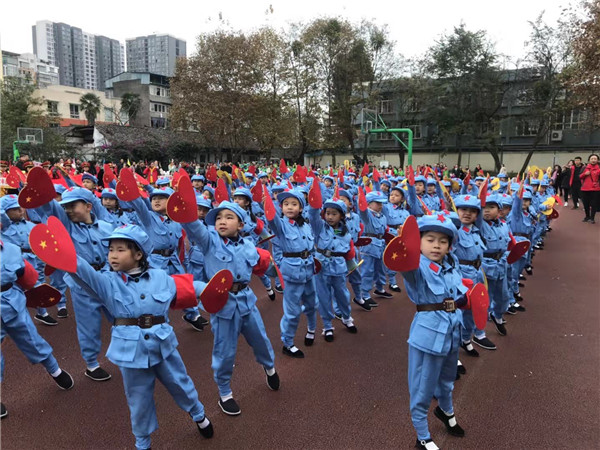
30,135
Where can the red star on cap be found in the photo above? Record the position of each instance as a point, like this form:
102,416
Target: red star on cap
441,218
467,197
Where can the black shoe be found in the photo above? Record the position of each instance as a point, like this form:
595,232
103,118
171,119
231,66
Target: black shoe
427,445
519,307
395,288
518,297
364,305
511,310
587,219
271,294
529,270
64,380
484,343
592,221
468,347
328,335
203,321
230,407
372,303
338,316
461,369
351,328
522,277
549,229
455,430
500,328
273,381
208,431
62,313
278,289
309,339
293,351
521,284
98,374
46,320
382,294
196,323
3,411
457,375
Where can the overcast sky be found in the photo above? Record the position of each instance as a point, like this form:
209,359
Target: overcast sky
414,25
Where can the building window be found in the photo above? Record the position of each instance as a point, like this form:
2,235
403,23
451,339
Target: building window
386,106
526,127
576,119
416,129
74,111
52,108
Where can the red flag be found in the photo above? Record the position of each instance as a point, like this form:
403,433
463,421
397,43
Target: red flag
365,170
362,200
221,193
331,171
283,167
300,175
252,169
483,191
257,192
376,176
467,178
341,177
411,176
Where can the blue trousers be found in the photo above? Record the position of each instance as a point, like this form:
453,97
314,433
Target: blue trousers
139,390
468,327
58,282
499,299
297,298
355,280
226,333
372,272
266,281
428,376
88,317
328,288
24,334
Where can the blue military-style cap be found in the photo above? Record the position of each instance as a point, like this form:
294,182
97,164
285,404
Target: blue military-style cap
133,233
420,178
527,195
262,175
293,193
535,182
399,189
329,177
467,201
494,198
479,179
507,200
203,201
109,193
502,175
440,223
167,192
89,176
345,193
75,194
278,187
211,217
198,178
9,202
209,189
163,181
248,175
431,181
544,183
242,192
59,188
376,196
335,204
386,182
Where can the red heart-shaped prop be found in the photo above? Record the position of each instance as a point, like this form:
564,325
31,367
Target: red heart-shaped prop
221,193
127,188
52,244
42,296
554,214
108,176
403,253
362,241
140,179
39,189
14,170
270,210
257,192
362,200
315,197
77,179
215,294
12,181
479,302
518,250
181,206
318,266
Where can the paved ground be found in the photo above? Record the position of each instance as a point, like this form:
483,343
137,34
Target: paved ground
540,389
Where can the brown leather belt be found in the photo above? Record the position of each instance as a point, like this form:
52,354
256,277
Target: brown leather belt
144,321
304,255
526,235
378,236
26,250
164,252
6,287
448,305
238,287
329,253
496,255
475,263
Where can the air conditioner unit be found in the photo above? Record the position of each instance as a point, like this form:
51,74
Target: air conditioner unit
556,136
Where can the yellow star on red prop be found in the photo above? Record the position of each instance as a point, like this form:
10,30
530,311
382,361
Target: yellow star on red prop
43,244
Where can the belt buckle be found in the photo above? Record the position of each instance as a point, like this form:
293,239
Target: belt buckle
449,305
304,254
145,321
235,288
477,264
328,253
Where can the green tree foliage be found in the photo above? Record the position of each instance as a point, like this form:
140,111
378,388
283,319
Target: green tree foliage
130,105
90,105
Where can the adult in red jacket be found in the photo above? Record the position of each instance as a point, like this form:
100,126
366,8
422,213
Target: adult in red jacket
590,188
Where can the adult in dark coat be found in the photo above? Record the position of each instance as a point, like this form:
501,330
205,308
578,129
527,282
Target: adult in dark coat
575,181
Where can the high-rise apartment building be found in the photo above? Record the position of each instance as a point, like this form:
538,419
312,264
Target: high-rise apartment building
84,60
156,54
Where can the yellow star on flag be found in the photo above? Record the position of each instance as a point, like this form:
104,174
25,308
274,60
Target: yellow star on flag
43,244
28,199
394,255
176,209
223,280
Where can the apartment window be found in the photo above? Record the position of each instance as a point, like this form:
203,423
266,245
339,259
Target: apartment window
576,119
416,129
386,106
52,108
526,127
74,111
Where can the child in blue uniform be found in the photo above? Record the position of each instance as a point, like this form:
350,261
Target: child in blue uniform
17,276
333,243
224,248
295,238
87,232
194,260
396,215
143,344
434,338
354,228
15,229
